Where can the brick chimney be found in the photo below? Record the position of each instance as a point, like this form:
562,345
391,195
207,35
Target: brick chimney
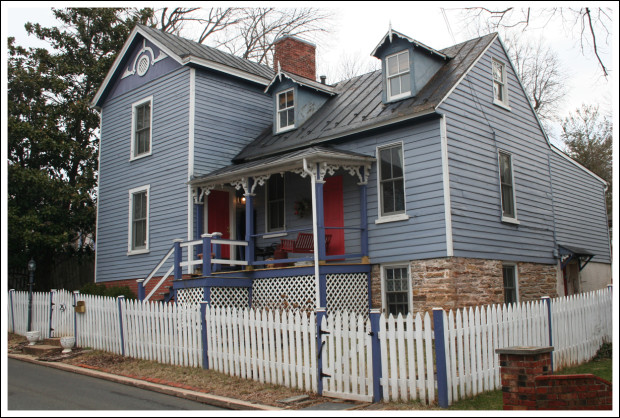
295,56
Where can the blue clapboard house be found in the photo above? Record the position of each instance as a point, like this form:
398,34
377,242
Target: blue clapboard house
427,183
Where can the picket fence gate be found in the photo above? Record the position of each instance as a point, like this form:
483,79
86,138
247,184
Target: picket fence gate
446,358
346,354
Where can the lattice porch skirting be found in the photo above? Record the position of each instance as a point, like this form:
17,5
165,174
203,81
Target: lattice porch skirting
345,292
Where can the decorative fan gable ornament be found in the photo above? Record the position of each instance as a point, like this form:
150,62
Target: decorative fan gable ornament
143,61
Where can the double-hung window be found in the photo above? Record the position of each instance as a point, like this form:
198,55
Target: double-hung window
509,208
396,289
275,203
398,77
286,110
391,180
141,128
510,283
139,220
500,93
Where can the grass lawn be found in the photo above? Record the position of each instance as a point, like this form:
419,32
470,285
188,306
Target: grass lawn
493,400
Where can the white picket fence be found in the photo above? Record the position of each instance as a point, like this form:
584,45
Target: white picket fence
407,358
473,335
266,346
281,347
581,323
166,333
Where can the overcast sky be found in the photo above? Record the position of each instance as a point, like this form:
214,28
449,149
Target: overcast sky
358,29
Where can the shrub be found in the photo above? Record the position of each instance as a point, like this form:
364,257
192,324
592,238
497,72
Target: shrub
102,290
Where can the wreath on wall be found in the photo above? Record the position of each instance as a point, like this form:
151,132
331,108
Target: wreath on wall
302,207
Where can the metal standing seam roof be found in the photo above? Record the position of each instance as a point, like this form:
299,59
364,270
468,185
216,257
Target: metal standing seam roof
184,47
358,105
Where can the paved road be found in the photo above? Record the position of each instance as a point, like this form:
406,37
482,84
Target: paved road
34,387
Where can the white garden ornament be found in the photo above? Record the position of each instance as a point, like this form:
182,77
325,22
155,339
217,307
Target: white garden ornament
67,344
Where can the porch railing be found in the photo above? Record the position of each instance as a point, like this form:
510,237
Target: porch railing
208,264
211,264
322,255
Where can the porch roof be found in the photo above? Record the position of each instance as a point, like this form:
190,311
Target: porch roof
281,163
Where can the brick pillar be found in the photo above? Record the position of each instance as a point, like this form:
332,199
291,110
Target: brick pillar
519,367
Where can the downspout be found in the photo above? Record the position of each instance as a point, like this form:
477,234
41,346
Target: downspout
314,232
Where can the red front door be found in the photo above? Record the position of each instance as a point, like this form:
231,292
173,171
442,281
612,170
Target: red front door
219,217
334,214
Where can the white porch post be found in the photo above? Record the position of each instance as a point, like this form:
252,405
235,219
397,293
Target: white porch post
315,234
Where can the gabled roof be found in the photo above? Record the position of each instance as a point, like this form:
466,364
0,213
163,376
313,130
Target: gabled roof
358,106
391,33
302,81
187,52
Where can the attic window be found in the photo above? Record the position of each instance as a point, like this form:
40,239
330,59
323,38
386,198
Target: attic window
398,78
286,110
500,94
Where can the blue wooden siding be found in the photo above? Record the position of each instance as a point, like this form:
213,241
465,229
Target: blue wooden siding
229,114
165,171
477,228
423,235
579,202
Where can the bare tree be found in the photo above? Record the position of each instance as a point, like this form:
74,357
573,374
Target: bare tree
245,32
252,38
349,65
541,74
590,25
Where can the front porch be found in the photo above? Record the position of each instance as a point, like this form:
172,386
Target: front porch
300,219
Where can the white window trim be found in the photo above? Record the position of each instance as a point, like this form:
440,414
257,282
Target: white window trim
133,191
393,217
505,102
279,231
390,97
516,270
405,265
507,219
286,128
133,157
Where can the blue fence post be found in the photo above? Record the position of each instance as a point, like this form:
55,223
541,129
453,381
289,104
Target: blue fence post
206,254
121,298
203,321
75,333
178,258
52,291
609,287
547,301
320,314
377,372
440,358
11,292
141,291
217,249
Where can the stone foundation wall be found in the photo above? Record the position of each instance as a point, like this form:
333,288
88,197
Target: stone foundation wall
456,282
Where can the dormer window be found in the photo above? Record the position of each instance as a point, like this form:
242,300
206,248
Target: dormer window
398,78
286,110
